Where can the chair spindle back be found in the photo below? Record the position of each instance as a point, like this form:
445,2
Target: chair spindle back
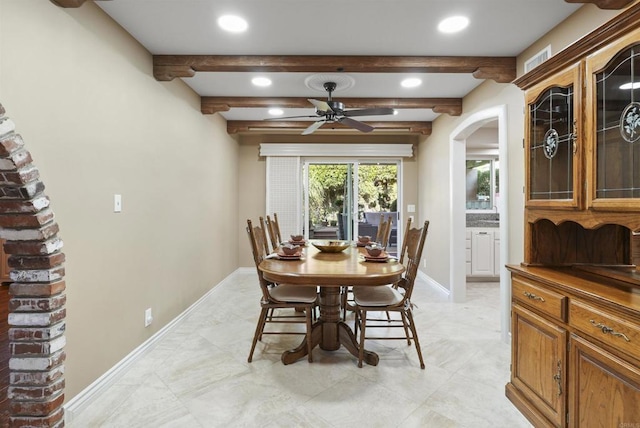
414,244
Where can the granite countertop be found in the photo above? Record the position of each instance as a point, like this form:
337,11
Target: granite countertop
483,220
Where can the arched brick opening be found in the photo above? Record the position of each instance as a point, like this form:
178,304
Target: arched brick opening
37,298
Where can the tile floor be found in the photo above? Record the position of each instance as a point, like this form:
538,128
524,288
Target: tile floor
197,375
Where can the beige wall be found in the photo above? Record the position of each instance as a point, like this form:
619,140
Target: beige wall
580,23
252,170
434,160
82,94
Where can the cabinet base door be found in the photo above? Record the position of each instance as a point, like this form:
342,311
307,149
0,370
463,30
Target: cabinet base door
605,390
538,366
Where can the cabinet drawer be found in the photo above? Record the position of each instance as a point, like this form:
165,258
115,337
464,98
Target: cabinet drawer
605,327
532,295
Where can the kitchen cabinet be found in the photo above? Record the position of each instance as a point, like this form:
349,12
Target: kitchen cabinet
482,253
538,363
575,348
553,151
594,369
481,245
467,251
576,295
613,126
497,264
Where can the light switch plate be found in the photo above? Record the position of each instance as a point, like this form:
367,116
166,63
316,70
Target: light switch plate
411,208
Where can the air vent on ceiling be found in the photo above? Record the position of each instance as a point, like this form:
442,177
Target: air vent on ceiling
537,59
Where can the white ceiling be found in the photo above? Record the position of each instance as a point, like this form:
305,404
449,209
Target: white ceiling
332,27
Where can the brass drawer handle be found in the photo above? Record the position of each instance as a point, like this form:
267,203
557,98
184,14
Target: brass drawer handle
609,330
533,296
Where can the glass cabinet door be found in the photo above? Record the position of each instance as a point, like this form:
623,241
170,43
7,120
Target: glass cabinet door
552,156
614,126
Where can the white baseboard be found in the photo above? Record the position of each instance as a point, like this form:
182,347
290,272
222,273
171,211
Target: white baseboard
86,396
433,283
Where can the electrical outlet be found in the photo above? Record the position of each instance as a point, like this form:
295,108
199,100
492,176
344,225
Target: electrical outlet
424,263
148,317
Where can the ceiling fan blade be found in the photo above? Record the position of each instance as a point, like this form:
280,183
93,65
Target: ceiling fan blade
313,127
369,112
360,126
320,105
315,116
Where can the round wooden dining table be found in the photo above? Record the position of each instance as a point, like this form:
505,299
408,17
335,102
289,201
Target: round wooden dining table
330,271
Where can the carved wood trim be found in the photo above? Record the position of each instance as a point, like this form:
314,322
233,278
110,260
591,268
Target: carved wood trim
605,4
451,106
500,69
237,126
68,3
598,38
588,219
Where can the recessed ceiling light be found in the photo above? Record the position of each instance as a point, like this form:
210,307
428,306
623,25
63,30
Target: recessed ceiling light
276,112
630,85
453,24
232,23
261,81
411,82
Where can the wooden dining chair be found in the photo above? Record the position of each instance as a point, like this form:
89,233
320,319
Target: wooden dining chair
384,231
391,299
281,296
274,231
403,250
382,237
265,241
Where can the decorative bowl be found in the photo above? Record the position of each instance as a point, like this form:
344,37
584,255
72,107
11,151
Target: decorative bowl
331,246
373,251
290,250
297,238
364,239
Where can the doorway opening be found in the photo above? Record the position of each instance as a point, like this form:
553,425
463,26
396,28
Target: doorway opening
457,207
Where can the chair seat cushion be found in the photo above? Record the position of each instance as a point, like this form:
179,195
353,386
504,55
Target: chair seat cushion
380,295
293,293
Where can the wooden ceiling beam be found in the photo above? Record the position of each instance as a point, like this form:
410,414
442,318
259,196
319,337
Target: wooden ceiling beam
451,106
237,126
605,4
68,3
500,69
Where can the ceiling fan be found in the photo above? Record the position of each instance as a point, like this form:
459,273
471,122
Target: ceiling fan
331,111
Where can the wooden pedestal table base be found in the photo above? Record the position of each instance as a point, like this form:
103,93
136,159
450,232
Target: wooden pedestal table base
329,332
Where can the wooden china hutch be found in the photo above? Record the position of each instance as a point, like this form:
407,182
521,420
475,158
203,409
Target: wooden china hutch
576,297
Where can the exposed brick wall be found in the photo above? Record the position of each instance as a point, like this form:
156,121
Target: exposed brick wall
37,300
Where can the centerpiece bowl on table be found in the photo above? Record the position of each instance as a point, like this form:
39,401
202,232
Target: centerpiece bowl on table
332,246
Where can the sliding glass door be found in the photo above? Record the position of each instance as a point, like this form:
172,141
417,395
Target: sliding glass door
344,199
